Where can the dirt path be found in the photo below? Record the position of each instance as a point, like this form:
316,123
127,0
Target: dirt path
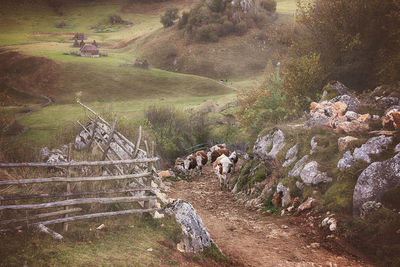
251,238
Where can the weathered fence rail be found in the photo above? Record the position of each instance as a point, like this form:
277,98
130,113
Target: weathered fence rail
135,165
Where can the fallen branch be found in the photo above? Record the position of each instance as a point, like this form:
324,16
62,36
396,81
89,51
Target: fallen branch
43,229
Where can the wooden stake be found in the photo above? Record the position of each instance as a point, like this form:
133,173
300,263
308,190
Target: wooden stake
65,225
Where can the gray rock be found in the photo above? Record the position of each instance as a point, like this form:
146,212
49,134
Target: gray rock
397,148
373,146
286,199
267,146
351,102
295,172
351,115
387,102
346,162
318,120
291,155
375,180
44,153
82,140
340,88
195,236
313,143
369,207
311,175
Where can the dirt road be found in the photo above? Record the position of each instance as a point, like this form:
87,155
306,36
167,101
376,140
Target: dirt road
251,238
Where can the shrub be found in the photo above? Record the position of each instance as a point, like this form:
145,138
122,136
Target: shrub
183,20
269,5
115,19
304,78
207,33
174,130
170,15
241,28
217,5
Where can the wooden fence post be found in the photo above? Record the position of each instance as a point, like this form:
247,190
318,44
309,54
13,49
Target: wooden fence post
93,134
65,225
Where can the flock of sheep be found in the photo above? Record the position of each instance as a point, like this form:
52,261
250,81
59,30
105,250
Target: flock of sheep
219,157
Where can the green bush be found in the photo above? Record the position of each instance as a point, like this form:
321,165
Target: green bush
170,15
304,78
175,130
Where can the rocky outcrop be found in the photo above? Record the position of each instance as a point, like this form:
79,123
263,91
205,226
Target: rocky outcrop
195,236
373,146
352,103
311,175
268,146
375,180
291,155
295,172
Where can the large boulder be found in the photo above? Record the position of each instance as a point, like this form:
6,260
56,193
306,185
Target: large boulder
374,181
268,146
311,175
351,127
195,236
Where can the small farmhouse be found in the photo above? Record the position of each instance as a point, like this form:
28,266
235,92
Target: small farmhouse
89,50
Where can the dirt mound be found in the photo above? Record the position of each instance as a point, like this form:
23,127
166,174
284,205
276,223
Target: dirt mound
251,238
30,74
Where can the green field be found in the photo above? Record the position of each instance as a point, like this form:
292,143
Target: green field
30,29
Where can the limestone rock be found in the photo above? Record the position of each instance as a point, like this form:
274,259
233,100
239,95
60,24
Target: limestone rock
345,142
352,127
330,222
386,102
299,185
391,120
368,207
351,115
318,120
306,205
339,88
346,162
295,172
195,236
339,107
267,146
286,199
291,155
373,146
311,175
365,118
397,148
313,143
375,180
351,102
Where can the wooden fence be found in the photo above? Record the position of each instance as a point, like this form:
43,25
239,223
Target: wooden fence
121,161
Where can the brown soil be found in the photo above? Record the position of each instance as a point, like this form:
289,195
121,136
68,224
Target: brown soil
252,238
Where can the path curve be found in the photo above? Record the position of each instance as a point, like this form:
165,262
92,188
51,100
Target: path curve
251,238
